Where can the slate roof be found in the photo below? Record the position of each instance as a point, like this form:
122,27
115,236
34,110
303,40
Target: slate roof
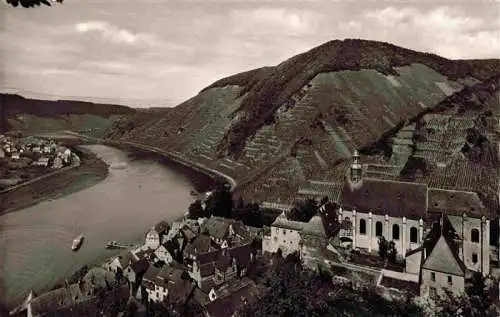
319,189
207,269
397,199
208,257
218,227
152,273
227,305
170,273
325,223
282,222
202,244
126,258
456,202
223,262
56,299
442,252
140,267
179,291
315,227
144,254
241,254
188,233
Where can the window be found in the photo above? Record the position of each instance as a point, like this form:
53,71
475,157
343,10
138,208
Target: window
450,281
362,226
433,276
413,235
474,258
378,229
474,235
395,232
432,293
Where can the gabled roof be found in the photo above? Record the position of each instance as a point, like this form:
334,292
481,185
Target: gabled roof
140,267
442,254
126,258
202,244
455,202
56,299
241,254
179,291
443,260
397,199
228,305
283,222
152,273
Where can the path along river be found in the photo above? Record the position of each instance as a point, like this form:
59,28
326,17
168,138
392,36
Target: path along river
35,243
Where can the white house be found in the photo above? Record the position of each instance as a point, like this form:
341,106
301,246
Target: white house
155,234
15,156
285,236
43,161
162,254
58,163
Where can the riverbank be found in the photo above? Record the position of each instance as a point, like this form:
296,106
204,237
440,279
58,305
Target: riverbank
90,171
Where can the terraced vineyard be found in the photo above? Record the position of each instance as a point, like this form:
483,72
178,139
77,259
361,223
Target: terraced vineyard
318,115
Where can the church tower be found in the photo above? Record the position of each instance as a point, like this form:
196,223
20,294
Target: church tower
356,170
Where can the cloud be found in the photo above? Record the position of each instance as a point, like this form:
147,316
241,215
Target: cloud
447,30
113,33
275,20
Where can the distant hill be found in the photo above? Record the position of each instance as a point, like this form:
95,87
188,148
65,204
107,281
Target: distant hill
26,114
275,129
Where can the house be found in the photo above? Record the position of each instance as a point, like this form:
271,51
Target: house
36,149
43,162
167,284
221,230
133,273
145,253
208,264
285,236
53,301
57,163
438,261
162,254
2,153
155,234
15,156
398,211
155,288
121,262
227,299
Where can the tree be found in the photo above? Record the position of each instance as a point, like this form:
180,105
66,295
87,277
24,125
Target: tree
220,203
382,247
391,252
196,210
31,3
303,210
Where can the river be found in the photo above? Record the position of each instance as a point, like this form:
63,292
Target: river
35,242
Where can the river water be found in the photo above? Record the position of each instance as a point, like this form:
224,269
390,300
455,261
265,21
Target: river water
35,243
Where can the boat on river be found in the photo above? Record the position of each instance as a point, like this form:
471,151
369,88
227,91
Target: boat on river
77,243
115,245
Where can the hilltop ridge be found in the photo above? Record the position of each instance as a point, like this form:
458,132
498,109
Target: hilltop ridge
275,129
29,114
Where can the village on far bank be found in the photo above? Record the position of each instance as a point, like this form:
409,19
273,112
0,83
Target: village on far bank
25,158
210,264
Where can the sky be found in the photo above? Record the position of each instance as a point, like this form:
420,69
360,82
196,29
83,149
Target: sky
163,52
